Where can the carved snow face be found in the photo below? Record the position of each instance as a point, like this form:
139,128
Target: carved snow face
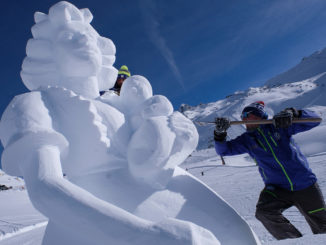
76,50
66,51
135,91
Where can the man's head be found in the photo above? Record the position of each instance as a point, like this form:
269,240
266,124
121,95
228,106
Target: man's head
254,111
123,74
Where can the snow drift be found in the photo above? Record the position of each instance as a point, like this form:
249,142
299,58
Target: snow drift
120,154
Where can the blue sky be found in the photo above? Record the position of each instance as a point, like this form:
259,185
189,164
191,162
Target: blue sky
191,51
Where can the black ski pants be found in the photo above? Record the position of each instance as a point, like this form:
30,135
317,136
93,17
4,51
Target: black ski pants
274,200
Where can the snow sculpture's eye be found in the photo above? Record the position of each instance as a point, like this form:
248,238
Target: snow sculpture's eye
134,90
66,36
83,39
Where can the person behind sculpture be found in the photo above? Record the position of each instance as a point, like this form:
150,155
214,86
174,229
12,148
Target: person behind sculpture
123,74
288,179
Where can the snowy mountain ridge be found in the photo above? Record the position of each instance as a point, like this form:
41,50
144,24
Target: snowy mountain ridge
308,67
305,89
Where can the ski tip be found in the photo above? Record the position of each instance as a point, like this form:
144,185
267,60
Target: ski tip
203,123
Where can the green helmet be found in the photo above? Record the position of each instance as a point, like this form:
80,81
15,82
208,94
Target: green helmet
124,72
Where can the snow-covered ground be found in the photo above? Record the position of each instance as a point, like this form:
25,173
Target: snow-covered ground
19,220
238,182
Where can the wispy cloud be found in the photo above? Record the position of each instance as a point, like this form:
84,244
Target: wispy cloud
274,20
249,27
147,8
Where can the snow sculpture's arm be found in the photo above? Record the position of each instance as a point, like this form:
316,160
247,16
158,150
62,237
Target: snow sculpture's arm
25,126
27,130
163,141
186,139
69,204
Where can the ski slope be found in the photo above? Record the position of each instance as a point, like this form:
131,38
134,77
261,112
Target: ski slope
239,183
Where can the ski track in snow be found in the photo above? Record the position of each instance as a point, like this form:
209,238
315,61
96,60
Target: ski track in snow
19,221
22,230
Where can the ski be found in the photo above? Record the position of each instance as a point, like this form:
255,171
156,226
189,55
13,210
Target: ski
265,121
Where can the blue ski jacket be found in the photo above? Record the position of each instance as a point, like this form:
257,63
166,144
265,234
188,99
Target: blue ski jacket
279,159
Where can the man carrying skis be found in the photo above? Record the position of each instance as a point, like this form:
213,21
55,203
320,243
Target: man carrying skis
288,179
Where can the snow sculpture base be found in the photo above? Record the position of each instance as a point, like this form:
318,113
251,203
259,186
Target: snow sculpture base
185,198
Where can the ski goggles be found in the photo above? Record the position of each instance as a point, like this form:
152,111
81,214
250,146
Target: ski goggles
254,111
122,76
246,114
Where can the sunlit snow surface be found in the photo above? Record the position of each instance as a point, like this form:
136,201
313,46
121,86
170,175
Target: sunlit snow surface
238,183
119,154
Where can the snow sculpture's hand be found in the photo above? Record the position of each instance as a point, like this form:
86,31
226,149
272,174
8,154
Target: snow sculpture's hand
160,138
184,233
149,150
158,146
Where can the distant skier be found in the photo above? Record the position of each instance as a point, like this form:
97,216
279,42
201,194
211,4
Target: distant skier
4,187
288,179
123,74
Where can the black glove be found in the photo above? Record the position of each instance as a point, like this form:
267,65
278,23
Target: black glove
283,119
219,136
222,124
296,113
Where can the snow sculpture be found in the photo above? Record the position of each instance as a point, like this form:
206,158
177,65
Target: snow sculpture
119,153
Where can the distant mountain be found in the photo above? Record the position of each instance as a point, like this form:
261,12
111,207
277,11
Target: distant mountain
303,86
309,67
